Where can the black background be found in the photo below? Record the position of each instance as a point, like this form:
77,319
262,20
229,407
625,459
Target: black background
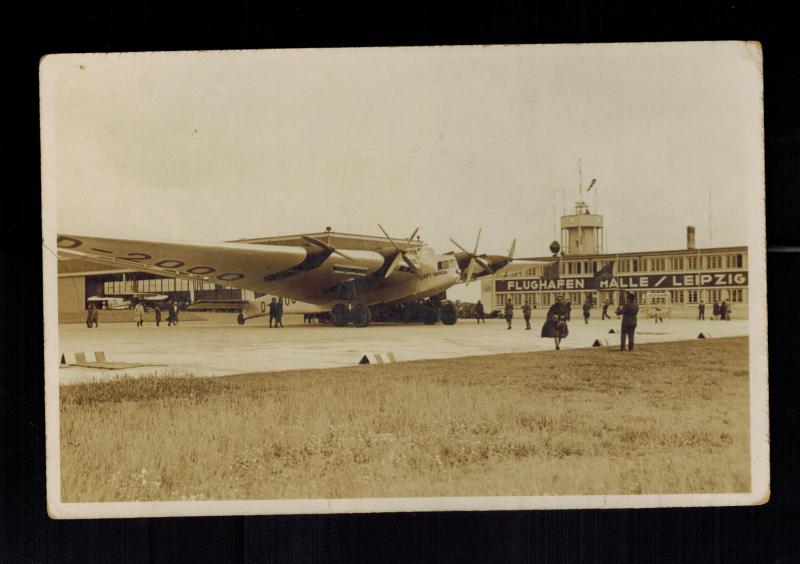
766,533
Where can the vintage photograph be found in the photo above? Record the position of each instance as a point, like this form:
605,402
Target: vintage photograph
404,279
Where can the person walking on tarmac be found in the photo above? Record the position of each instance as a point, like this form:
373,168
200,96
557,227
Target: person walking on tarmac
605,312
587,311
701,311
509,313
629,312
479,313
555,324
138,313
526,313
157,312
279,314
272,311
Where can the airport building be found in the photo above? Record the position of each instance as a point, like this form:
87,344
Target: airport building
672,281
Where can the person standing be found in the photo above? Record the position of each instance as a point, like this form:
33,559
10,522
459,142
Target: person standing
701,311
138,313
480,314
526,314
715,311
587,311
272,311
170,316
569,310
89,312
605,312
279,313
95,315
509,313
723,311
629,312
555,324
157,312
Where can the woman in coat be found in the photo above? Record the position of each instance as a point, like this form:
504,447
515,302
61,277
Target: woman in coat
555,324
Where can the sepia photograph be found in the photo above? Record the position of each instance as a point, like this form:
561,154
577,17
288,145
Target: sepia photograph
404,279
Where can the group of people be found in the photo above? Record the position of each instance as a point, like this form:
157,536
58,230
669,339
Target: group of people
276,313
720,310
172,315
138,315
555,325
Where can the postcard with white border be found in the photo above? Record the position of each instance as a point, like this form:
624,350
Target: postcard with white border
404,279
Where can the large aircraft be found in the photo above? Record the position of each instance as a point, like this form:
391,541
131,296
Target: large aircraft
352,278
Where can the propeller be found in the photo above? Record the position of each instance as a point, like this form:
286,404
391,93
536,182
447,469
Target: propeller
474,259
490,264
401,255
326,247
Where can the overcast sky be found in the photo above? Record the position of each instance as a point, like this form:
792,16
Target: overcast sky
220,145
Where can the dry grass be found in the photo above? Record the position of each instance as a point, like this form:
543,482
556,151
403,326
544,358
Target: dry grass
669,418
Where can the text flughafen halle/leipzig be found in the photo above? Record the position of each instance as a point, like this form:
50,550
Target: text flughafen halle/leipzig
637,282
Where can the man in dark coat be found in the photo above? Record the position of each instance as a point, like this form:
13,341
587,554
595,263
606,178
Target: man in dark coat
279,314
701,311
723,311
605,312
509,313
569,309
480,314
715,311
272,311
629,312
157,312
89,311
526,313
587,311
555,324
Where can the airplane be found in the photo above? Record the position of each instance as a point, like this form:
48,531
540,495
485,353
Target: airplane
123,301
349,277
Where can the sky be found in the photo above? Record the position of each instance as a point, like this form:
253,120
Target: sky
213,146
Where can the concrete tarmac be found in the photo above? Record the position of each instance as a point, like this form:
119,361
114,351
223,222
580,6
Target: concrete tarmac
218,346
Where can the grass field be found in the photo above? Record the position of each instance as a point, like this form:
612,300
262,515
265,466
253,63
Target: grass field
668,418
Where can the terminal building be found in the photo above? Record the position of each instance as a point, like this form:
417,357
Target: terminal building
673,281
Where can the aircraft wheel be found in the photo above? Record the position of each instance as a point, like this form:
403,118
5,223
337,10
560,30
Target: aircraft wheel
339,315
240,319
360,315
429,316
448,315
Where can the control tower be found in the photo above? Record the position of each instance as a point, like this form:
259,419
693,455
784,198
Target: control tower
582,232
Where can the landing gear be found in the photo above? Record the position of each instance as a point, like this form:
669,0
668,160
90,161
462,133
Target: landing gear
429,315
340,315
448,314
360,315
240,319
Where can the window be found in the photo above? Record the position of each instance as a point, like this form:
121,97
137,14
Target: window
733,261
656,264
108,288
546,299
517,298
531,299
714,295
693,263
693,296
640,265
624,266
735,295
500,299
676,263
676,296
713,261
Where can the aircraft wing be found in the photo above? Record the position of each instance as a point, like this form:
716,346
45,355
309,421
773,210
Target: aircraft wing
277,269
